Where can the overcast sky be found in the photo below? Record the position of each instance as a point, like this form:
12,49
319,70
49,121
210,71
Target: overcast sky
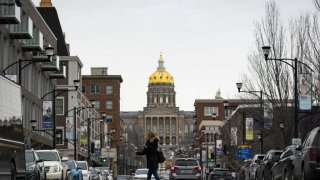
205,43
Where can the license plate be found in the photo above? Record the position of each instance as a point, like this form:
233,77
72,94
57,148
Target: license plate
186,171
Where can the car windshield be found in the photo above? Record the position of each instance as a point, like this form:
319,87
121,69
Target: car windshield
70,164
82,165
142,171
186,162
48,156
29,156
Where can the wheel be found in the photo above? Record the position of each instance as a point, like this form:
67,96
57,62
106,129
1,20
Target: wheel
287,175
302,174
13,172
293,174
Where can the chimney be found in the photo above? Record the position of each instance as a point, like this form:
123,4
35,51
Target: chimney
45,3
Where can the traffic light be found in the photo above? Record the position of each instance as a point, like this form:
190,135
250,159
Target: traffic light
92,147
104,160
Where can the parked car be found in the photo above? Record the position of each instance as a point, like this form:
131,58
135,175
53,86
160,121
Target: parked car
141,174
54,167
95,175
34,166
123,177
220,173
264,169
307,163
185,168
283,168
244,168
74,172
250,172
85,169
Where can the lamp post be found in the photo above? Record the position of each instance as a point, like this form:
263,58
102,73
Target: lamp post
266,52
89,121
76,85
49,53
239,86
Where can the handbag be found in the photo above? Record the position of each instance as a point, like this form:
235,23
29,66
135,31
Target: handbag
161,157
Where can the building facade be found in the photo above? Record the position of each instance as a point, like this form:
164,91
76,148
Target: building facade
161,116
48,91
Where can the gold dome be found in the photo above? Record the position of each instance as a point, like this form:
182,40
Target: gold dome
161,75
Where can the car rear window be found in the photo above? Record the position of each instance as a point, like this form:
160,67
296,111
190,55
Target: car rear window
186,162
260,157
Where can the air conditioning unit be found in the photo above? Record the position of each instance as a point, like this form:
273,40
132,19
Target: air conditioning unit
34,44
9,12
51,66
60,74
24,30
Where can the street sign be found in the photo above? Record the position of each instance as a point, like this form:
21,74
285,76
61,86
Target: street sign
296,141
244,152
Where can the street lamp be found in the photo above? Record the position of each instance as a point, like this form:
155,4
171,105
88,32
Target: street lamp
239,86
266,52
49,52
76,85
33,124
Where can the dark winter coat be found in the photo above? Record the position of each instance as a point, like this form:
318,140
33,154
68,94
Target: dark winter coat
150,150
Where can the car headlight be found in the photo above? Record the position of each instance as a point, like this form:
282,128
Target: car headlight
31,168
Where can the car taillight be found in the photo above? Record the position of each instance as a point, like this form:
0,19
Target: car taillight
313,153
174,168
197,169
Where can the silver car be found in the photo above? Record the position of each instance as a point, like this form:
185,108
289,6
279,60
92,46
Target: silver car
252,168
185,168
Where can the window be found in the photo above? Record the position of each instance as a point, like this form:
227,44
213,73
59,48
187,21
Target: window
59,136
96,104
109,104
59,106
83,89
167,140
109,118
109,90
95,89
174,140
161,140
208,111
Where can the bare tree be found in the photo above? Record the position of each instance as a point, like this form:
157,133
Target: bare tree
317,4
274,78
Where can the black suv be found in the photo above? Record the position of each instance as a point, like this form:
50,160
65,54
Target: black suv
307,163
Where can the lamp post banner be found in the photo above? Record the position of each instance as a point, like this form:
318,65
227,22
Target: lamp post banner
84,135
47,114
304,87
69,128
234,141
219,147
249,129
